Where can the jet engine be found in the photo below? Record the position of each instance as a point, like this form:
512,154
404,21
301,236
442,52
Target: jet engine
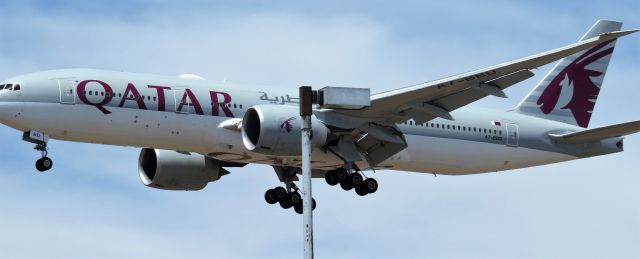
275,130
176,170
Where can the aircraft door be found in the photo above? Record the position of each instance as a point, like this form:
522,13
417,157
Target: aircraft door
67,95
181,102
512,135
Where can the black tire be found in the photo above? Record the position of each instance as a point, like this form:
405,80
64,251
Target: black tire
361,189
294,198
285,203
298,208
355,178
346,184
331,177
39,165
47,163
341,174
371,185
280,193
270,196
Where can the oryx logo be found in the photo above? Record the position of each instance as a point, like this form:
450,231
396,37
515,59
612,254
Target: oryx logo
574,86
286,125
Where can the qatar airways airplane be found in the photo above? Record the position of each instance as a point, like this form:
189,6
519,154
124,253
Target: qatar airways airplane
192,130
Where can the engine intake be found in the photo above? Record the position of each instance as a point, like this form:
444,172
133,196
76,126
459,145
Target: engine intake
175,170
275,130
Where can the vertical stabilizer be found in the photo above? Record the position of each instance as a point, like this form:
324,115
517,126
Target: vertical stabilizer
568,93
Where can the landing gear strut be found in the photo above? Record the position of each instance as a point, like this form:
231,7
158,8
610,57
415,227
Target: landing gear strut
349,181
40,139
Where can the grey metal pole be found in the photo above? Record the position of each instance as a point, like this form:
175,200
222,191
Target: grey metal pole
306,106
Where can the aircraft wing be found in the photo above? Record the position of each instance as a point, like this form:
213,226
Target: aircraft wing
371,133
429,100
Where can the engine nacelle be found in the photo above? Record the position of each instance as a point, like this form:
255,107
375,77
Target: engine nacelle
275,130
175,170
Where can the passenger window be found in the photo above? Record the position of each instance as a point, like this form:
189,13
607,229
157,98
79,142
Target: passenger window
16,87
240,106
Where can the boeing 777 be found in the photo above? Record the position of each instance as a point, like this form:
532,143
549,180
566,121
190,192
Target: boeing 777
191,131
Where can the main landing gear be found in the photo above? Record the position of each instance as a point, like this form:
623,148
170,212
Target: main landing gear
350,181
286,199
40,139
290,196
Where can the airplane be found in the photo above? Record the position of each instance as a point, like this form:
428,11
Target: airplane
191,131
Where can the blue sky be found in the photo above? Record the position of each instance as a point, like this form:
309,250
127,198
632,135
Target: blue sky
92,204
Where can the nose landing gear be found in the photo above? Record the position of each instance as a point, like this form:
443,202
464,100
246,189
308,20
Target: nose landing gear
45,163
40,139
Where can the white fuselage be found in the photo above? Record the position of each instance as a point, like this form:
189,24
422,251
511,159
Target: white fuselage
477,141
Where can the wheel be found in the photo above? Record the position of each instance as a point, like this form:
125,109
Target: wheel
361,189
39,165
341,174
355,178
331,177
279,193
44,164
371,185
270,196
285,203
298,208
294,198
346,184
47,163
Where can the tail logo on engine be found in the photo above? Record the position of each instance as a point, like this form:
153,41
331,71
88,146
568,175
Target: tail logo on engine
286,125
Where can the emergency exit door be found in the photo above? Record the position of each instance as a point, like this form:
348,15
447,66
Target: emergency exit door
67,92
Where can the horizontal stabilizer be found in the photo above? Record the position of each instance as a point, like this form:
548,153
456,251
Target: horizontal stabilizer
597,134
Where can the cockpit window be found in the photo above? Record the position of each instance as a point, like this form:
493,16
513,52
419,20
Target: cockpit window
1,87
16,87
8,86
